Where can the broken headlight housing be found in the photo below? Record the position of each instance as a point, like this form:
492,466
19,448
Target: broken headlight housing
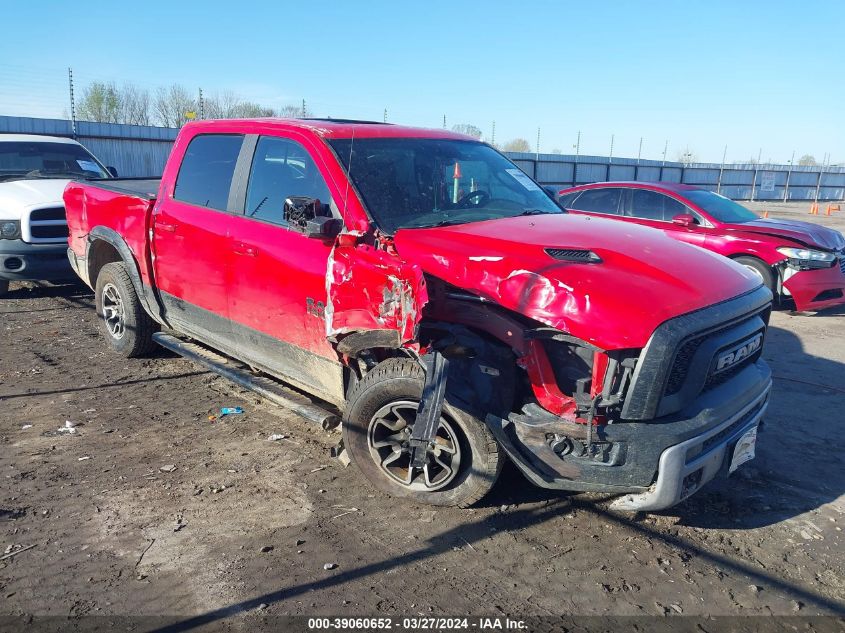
10,229
806,258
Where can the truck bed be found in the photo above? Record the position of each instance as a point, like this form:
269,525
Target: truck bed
141,187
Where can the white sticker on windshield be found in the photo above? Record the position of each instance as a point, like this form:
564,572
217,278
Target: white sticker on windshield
524,180
88,165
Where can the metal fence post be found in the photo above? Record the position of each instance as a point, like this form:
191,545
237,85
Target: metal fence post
721,169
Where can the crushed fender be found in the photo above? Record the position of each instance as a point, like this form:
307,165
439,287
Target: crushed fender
369,289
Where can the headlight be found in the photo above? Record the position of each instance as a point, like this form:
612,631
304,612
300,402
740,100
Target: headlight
807,257
10,229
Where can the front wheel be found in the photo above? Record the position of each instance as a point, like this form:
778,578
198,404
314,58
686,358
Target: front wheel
759,268
462,463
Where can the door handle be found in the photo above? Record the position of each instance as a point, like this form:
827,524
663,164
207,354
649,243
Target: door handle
165,226
245,249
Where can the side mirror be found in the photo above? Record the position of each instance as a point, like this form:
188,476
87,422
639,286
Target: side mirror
112,171
306,215
684,219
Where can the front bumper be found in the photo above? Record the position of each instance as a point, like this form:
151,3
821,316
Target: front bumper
818,289
20,261
655,464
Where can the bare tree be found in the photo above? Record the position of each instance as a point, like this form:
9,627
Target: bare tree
135,105
517,145
100,102
468,129
687,157
808,160
172,106
290,112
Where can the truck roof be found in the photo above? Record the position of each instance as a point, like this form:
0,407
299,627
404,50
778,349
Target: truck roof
326,128
30,138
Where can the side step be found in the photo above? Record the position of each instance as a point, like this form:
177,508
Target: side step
265,387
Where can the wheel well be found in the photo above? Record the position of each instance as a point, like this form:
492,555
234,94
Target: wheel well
100,253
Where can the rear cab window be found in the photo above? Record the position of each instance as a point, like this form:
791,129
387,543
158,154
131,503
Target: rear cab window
205,175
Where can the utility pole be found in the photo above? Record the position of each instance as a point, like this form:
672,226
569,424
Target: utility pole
577,151
788,173
202,106
721,169
612,138
665,149
385,115
538,147
493,135
640,151
756,169
72,102
303,108
444,121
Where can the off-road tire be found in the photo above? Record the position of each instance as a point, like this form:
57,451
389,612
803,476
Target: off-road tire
4,286
137,337
761,268
402,379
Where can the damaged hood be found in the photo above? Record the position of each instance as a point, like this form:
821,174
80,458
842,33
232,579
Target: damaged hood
805,233
643,279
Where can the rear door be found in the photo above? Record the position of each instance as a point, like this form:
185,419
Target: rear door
191,238
597,200
277,290
656,209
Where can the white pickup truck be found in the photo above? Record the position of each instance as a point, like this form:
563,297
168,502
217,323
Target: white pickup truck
33,231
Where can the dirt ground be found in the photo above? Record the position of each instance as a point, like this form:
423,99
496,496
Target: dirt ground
150,508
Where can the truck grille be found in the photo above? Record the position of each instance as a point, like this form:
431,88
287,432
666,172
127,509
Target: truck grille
680,367
48,226
680,360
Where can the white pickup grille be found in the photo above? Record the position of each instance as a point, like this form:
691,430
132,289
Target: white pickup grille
46,226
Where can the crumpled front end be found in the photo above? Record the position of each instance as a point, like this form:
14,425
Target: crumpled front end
697,387
818,288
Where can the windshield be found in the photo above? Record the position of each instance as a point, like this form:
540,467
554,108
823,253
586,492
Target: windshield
412,183
34,159
721,208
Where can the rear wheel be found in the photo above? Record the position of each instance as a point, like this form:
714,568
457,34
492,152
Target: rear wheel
128,328
462,463
759,268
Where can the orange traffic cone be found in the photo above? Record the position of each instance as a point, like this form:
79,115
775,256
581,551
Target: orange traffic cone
765,214
832,207
814,208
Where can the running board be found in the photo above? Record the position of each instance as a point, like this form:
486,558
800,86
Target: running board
264,386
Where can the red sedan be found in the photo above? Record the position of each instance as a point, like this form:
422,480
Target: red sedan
795,259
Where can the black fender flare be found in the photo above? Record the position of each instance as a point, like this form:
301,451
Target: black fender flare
146,295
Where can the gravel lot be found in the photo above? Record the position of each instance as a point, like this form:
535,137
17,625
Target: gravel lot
148,507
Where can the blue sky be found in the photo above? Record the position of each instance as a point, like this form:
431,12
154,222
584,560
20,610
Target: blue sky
751,75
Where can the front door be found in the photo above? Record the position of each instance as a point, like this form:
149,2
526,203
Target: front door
656,209
277,288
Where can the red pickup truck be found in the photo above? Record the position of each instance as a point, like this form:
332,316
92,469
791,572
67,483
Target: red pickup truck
423,284
798,260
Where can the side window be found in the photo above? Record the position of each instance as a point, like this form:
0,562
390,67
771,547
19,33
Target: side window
599,200
280,169
205,175
566,200
652,205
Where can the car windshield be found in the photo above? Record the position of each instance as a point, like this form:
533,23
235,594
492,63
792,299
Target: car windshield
36,159
721,208
412,182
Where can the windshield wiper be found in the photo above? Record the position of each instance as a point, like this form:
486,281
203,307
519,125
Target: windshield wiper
536,212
